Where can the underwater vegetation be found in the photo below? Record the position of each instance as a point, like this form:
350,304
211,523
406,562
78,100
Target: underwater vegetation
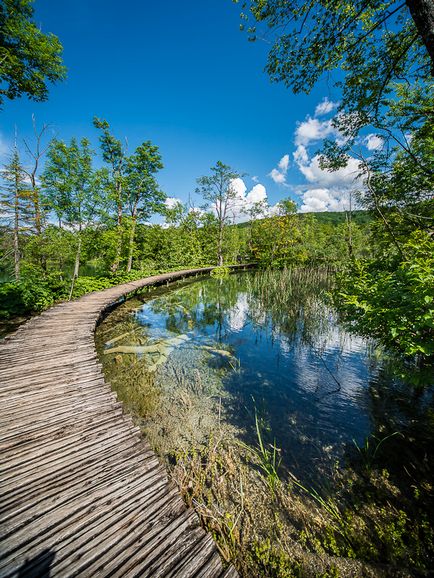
301,446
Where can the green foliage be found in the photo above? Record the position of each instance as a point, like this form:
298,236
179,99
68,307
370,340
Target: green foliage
393,303
273,562
11,300
359,217
143,195
85,285
220,272
131,188
277,242
289,240
15,204
28,57
268,456
71,188
30,295
380,49
220,195
369,450
385,56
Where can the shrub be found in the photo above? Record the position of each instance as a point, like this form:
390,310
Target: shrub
24,298
393,303
220,271
85,285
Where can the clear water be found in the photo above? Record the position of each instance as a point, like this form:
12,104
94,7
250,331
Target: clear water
264,344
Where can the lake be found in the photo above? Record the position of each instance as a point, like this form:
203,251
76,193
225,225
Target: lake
256,355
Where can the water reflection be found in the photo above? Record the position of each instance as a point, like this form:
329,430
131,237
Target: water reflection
212,353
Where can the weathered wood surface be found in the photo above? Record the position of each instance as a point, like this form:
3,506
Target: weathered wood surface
82,494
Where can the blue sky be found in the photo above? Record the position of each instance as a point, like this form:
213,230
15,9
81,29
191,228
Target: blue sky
182,75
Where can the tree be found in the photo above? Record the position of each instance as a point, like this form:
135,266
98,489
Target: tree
143,195
15,204
114,154
28,57
259,210
220,194
36,153
379,48
174,213
286,207
71,188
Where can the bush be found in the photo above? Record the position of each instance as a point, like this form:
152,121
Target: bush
85,285
11,300
220,271
24,298
393,303
37,292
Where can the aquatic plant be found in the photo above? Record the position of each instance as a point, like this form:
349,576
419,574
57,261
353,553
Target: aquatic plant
269,459
369,450
220,272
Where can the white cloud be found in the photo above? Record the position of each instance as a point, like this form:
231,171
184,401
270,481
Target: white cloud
325,199
325,107
284,163
255,179
238,186
238,314
244,201
171,202
313,173
312,130
279,174
300,155
257,194
325,190
330,190
315,200
373,142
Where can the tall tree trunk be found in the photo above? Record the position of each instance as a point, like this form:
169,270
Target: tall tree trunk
76,265
115,265
36,203
38,219
422,12
131,241
37,209
220,245
16,230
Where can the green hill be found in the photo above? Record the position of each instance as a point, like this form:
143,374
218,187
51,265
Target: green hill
331,218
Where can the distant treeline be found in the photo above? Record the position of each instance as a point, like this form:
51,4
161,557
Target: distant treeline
48,259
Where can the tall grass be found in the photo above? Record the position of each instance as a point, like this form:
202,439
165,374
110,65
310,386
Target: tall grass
267,457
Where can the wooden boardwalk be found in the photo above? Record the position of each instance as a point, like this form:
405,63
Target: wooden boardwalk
82,494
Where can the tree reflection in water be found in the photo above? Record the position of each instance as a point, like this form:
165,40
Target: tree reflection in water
267,343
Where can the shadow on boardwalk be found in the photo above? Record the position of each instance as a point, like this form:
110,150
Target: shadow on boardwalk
37,567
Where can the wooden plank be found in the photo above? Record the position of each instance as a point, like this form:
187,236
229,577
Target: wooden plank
37,491
81,491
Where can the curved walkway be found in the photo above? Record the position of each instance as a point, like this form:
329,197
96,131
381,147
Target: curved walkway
82,494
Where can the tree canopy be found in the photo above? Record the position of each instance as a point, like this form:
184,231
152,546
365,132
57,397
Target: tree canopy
220,195
379,50
29,59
